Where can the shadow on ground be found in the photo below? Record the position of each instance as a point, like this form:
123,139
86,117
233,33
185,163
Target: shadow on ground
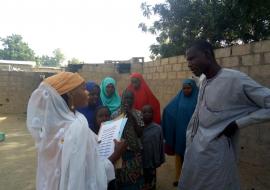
18,158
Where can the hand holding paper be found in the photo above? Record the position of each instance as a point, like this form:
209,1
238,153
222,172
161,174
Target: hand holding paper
109,131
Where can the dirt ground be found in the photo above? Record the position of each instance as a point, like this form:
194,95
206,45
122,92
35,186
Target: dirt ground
18,158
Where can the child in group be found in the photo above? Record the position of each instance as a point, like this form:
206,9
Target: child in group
153,154
129,174
94,101
103,114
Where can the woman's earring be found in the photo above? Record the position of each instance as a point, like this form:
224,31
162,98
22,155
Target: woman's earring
72,107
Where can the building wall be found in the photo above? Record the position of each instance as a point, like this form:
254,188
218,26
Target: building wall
97,72
16,88
47,69
165,77
23,67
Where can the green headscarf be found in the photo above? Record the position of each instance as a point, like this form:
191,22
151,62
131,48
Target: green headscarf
112,102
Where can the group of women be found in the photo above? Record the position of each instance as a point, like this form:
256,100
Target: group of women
63,108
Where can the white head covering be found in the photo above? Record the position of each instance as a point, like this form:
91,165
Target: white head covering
67,155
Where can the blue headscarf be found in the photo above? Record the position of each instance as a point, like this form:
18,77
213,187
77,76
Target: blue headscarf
90,85
112,102
176,116
89,111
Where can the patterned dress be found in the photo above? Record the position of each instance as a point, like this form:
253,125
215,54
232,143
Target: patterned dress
130,175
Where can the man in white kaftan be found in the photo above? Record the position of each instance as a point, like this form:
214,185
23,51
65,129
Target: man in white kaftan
228,100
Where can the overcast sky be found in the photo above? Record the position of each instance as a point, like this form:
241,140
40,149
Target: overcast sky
90,30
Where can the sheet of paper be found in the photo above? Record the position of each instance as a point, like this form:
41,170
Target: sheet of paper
123,124
109,131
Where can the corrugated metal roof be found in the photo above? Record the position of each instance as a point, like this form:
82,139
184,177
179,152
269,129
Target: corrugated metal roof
15,62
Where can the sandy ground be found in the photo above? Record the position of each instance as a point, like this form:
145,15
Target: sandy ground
18,158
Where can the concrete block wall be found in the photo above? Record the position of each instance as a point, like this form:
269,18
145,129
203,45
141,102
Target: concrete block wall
15,90
165,77
97,72
252,59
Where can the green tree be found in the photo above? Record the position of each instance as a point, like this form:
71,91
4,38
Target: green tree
14,48
54,61
221,22
74,61
48,61
58,56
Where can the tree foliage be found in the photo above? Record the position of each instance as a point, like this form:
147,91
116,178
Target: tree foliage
221,22
47,61
54,61
59,56
14,48
74,61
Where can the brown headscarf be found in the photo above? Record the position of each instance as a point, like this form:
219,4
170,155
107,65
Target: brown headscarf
64,82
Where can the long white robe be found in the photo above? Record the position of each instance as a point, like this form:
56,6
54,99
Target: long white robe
67,149
210,161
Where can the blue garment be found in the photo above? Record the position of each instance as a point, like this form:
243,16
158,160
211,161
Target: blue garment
90,85
176,116
89,111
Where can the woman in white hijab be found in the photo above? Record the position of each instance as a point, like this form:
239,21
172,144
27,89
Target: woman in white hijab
67,149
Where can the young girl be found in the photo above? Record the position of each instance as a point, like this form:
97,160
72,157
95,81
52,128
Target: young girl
94,101
103,114
130,175
153,154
